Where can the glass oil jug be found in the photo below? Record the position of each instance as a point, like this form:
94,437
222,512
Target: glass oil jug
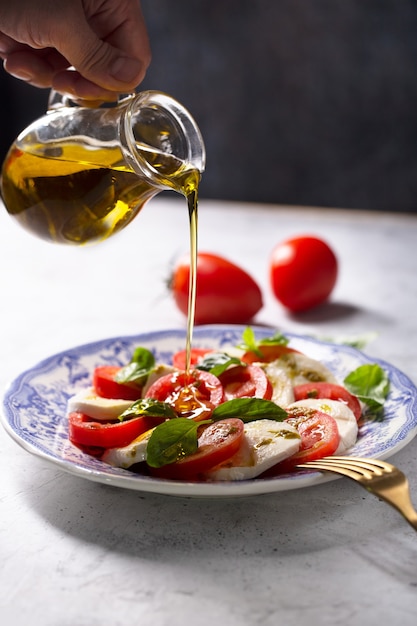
77,175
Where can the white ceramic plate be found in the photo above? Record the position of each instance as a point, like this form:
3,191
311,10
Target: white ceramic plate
34,408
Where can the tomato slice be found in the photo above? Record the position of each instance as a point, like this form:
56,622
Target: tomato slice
179,358
217,443
329,391
106,386
192,395
267,354
245,381
86,432
319,437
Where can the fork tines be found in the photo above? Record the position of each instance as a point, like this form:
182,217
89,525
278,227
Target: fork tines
373,465
347,465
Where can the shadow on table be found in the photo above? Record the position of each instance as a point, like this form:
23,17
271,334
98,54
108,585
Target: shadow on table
223,551
158,527
333,311
327,312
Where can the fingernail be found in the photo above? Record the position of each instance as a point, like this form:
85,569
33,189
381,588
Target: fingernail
22,75
126,70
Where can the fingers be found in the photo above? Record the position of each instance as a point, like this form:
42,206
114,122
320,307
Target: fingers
7,45
106,67
104,70
106,42
79,88
110,51
47,68
102,73
35,67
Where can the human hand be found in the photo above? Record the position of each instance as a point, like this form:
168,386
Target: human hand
92,50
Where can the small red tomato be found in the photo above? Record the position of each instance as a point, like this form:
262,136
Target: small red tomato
225,293
303,272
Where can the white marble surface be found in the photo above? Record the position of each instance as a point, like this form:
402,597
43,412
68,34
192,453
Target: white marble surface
74,552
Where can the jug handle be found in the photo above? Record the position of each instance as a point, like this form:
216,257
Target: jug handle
58,100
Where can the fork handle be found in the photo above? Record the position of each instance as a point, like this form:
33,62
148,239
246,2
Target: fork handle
401,502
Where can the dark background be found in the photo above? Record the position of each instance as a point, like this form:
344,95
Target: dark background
299,101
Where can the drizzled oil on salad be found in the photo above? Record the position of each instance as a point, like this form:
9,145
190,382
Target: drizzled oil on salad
255,410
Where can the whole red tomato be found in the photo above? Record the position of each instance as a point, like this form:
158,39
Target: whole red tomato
303,272
226,294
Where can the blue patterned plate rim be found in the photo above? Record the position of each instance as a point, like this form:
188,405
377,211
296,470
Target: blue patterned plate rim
34,408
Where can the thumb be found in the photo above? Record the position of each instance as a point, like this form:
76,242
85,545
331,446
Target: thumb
103,64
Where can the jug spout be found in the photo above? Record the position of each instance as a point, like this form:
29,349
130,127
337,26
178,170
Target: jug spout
160,139
80,174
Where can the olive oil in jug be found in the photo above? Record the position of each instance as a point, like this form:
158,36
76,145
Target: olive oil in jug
79,175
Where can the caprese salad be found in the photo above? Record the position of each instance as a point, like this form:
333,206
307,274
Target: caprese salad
255,410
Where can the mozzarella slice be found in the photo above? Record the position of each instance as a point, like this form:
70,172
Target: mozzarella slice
266,443
301,369
134,452
344,416
88,402
160,370
234,352
293,369
282,389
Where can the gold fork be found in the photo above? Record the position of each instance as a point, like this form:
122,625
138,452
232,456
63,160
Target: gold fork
382,479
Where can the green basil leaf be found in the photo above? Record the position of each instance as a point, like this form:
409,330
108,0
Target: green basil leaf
370,383
248,342
249,410
150,408
251,344
216,363
277,339
139,368
172,441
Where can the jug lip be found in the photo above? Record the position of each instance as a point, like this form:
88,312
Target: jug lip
183,120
